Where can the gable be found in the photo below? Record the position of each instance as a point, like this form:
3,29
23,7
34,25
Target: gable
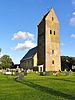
51,15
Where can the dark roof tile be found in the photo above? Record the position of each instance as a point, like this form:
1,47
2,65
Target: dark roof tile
30,53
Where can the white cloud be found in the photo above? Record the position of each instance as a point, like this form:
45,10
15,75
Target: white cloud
1,54
72,21
72,35
73,2
26,45
22,35
73,13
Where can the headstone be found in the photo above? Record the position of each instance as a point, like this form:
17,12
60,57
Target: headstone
41,73
47,73
19,76
66,72
25,72
54,73
70,72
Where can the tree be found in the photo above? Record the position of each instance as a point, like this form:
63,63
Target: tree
67,62
6,61
0,50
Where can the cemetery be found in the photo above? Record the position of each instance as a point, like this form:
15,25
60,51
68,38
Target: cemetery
35,87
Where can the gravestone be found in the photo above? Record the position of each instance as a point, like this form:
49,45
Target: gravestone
19,76
25,72
67,72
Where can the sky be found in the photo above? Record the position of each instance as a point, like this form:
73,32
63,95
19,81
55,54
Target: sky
19,20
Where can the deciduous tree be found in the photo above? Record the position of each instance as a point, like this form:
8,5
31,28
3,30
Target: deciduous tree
6,61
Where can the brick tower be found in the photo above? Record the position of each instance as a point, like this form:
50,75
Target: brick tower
48,52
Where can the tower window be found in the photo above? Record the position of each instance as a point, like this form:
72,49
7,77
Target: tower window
50,31
54,32
52,18
52,51
52,61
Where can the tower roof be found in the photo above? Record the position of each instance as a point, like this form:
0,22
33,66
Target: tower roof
43,18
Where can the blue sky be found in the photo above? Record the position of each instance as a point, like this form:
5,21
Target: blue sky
18,25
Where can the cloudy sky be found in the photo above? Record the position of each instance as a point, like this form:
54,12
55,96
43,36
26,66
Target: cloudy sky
19,20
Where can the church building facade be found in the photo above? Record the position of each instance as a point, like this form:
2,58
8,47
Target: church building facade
48,45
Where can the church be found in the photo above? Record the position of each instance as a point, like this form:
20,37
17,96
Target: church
46,56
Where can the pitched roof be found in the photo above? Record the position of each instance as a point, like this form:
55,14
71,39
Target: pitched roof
44,16
30,53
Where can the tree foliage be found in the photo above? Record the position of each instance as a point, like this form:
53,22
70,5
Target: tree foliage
0,50
67,62
6,61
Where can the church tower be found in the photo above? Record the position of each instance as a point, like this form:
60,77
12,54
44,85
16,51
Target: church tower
48,52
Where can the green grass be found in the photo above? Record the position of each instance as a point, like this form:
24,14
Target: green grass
36,87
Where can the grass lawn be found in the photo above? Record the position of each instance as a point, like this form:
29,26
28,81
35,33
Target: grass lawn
36,87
